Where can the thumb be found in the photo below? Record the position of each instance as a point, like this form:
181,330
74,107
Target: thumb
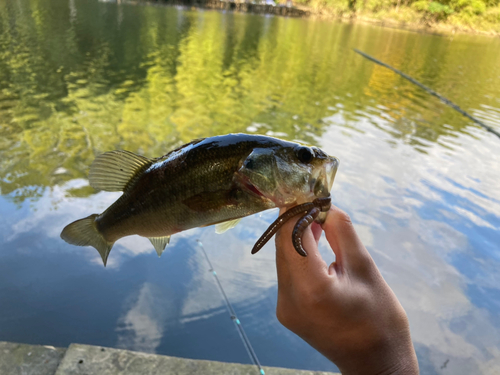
287,259
350,253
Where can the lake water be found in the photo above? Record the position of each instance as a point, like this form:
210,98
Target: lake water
420,181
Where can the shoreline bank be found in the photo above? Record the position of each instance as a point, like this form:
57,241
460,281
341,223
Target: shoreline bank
415,26
402,19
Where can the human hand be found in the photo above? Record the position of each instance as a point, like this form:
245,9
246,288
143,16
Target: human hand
344,310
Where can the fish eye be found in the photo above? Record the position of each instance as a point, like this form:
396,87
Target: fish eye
305,155
249,164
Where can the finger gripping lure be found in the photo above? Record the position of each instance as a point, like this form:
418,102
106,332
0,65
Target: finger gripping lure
309,212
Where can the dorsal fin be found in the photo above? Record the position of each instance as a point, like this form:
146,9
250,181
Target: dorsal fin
113,170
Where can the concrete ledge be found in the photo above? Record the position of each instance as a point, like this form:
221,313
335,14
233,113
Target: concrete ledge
86,359
22,359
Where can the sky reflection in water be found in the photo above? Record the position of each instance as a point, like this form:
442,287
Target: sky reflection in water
419,181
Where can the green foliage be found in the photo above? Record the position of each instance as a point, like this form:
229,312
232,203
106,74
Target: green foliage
378,5
472,13
463,11
433,10
493,15
491,3
469,7
329,6
436,8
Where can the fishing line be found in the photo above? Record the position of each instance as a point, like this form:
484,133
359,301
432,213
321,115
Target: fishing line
430,91
232,314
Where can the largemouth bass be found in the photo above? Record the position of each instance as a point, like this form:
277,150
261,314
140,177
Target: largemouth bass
216,180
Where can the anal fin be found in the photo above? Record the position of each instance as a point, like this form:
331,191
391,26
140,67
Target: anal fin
159,243
226,225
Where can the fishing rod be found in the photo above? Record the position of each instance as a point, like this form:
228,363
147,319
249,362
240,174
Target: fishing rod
232,314
430,91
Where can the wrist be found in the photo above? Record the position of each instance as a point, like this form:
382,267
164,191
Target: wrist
390,356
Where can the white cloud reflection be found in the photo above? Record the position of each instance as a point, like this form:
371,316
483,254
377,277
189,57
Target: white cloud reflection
142,325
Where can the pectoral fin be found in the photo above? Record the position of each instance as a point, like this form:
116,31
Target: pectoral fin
159,243
226,225
114,170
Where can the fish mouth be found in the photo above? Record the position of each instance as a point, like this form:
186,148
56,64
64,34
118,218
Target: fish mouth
249,187
331,171
322,182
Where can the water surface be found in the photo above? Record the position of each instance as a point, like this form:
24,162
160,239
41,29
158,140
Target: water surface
421,182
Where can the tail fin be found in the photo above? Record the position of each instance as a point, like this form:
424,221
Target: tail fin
84,232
